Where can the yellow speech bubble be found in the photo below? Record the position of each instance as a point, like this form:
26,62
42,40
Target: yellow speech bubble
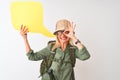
29,14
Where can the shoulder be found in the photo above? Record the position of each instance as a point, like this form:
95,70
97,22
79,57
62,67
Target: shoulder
51,42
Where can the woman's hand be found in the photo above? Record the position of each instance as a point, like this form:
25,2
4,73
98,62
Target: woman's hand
23,31
70,31
71,34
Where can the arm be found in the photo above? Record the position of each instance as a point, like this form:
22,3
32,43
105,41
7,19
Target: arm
77,43
81,51
34,56
82,54
23,32
72,36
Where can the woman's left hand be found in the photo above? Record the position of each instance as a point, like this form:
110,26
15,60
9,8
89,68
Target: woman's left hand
70,31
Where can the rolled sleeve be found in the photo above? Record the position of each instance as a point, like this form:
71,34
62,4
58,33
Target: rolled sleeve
82,54
35,56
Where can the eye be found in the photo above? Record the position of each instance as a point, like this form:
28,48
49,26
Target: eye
59,32
67,32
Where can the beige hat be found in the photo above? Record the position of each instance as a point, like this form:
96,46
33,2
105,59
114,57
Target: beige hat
61,25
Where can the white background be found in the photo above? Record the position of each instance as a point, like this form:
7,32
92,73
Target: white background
98,27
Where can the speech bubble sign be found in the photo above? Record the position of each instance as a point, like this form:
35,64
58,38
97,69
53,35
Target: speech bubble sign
29,14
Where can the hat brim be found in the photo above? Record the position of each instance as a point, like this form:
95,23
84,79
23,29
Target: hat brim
58,31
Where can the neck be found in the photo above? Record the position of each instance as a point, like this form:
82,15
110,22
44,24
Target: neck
63,46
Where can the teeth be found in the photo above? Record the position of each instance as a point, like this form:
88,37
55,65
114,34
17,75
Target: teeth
63,38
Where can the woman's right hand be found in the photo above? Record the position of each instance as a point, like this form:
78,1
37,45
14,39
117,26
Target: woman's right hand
23,31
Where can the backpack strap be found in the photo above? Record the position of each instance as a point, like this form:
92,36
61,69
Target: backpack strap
72,55
47,61
51,42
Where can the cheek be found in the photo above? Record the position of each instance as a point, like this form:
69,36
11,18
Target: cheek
58,38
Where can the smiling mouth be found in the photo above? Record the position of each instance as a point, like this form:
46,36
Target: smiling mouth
63,38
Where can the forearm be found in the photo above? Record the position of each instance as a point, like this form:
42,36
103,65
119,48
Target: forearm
78,44
27,45
82,53
23,32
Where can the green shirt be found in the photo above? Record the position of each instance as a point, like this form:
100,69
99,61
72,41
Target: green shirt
61,71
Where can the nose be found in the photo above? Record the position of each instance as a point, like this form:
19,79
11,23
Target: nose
63,35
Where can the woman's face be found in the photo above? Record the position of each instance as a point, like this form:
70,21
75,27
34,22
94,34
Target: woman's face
62,37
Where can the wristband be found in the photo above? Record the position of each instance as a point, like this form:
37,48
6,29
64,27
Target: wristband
78,41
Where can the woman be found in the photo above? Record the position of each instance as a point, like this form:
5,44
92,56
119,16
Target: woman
65,38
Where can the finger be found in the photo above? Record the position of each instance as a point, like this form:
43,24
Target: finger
21,27
66,32
69,25
74,26
72,23
26,30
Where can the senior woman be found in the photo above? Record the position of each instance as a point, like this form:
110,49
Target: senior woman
65,38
